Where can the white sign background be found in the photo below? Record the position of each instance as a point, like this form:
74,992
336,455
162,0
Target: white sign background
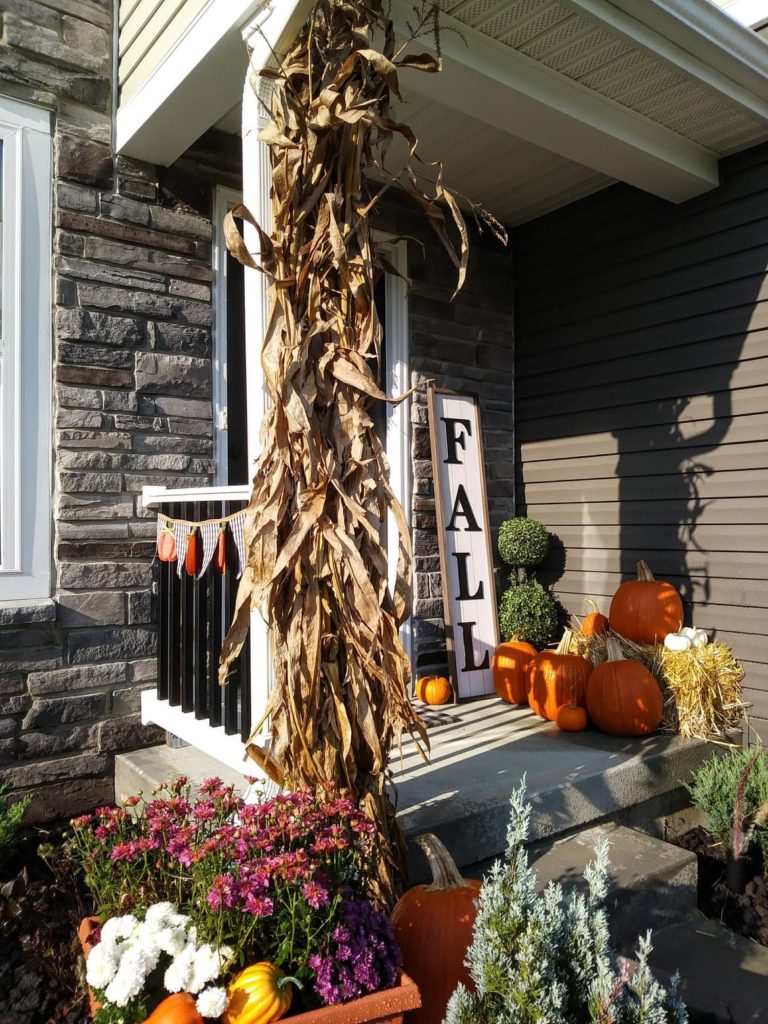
465,551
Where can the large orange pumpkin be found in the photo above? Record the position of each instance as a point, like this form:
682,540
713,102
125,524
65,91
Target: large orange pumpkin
176,1009
594,624
433,928
645,609
511,666
623,698
558,678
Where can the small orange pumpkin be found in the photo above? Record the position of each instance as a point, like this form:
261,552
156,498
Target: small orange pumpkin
511,667
558,678
623,698
594,624
434,690
220,554
176,1009
433,928
166,546
192,557
646,609
571,718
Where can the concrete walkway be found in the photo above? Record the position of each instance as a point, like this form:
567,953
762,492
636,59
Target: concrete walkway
480,750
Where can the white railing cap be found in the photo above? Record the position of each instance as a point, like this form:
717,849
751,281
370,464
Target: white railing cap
152,496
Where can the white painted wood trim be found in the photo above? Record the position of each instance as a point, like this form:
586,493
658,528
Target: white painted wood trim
491,82
224,200
25,353
153,496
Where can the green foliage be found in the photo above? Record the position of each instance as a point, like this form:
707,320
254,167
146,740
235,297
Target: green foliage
11,817
714,787
545,956
523,542
528,612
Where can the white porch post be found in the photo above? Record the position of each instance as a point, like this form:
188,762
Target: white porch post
256,186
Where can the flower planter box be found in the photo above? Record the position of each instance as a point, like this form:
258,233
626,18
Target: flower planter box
387,1007
84,935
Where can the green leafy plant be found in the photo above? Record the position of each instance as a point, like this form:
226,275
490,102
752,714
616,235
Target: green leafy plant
11,818
528,612
731,790
523,543
545,956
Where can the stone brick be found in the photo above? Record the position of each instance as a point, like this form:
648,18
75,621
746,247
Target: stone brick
90,530
43,610
83,160
143,671
85,87
8,727
191,341
140,607
134,188
92,439
146,303
72,353
180,223
139,257
88,270
52,711
111,644
65,799
15,705
190,289
135,168
55,770
97,483
79,418
37,635
91,609
173,443
127,733
119,401
425,543
86,507
73,119
10,686
121,208
7,751
78,398
101,377
428,608
33,659
62,740
73,678
76,197
105,549
126,701
93,575
65,292
191,408
163,373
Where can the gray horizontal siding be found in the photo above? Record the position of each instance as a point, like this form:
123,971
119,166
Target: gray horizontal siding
642,400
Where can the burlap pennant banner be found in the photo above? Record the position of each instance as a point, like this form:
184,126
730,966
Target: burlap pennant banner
209,531
236,526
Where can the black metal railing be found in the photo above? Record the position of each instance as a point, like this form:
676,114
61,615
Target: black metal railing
194,615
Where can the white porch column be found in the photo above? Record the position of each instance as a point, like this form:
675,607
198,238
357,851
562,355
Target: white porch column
256,186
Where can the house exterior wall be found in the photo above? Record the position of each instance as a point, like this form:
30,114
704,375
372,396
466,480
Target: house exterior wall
642,409
148,31
132,405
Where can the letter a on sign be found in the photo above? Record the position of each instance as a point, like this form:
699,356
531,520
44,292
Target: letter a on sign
466,561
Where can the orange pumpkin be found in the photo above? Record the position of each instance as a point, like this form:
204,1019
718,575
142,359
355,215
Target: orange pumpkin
571,718
594,624
192,557
645,609
220,554
433,928
166,546
176,1009
558,678
434,690
623,698
511,667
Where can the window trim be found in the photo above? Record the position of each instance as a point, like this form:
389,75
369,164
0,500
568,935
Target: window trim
224,199
25,356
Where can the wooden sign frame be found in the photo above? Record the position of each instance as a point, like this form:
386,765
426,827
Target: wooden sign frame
462,687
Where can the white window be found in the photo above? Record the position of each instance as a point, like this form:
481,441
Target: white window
25,351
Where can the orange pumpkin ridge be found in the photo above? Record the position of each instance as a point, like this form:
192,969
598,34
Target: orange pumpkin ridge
646,609
623,698
176,1009
436,690
558,678
511,667
433,928
571,718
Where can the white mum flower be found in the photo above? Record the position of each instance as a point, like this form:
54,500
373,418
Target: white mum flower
212,1002
101,965
125,985
206,967
170,940
179,973
117,928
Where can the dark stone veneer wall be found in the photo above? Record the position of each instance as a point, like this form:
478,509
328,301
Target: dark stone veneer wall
132,404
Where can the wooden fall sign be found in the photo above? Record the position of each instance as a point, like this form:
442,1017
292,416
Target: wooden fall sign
464,539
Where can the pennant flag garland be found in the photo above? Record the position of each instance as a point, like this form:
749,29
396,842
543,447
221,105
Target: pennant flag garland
176,536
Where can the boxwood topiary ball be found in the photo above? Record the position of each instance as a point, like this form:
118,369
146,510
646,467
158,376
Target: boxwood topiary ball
523,542
528,612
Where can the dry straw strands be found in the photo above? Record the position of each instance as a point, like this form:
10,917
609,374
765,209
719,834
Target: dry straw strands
316,568
701,686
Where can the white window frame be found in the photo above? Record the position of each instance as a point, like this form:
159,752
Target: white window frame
25,354
224,199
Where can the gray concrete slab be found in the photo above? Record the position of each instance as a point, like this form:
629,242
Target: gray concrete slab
142,770
481,750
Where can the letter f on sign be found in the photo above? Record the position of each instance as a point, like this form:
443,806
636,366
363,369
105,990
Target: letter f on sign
454,439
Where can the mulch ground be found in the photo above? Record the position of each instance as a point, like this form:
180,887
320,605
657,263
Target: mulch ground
41,905
746,914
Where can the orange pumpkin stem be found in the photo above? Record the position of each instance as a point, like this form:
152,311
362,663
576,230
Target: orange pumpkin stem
644,573
445,874
564,646
613,650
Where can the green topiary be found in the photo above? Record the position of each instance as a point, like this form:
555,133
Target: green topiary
523,542
528,612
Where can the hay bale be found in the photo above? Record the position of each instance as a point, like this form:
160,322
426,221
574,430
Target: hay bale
701,686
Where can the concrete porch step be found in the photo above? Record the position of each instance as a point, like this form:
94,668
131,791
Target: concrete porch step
143,770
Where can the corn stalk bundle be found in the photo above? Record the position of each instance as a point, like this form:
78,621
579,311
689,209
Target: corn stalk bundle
701,686
316,567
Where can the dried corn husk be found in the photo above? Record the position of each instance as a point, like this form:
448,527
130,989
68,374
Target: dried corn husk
701,686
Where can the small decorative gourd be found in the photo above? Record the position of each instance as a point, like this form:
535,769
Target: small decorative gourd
511,667
698,637
595,623
623,698
220,554
678,642
433,928
192,557
645,609
434,690
557,678
166,546
258,995
179,1008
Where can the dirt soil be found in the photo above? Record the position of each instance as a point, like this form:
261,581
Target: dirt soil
746,914
41,904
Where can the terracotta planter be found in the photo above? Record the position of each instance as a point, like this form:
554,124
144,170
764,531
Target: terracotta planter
84,935
387,1007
